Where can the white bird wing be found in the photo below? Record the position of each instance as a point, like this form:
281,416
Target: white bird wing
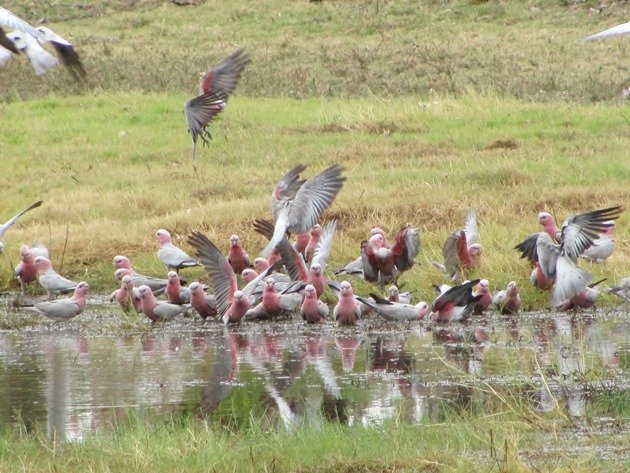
53,281
618,30
65,50
471,229
324,245
570,281
10,20
40,59
9,223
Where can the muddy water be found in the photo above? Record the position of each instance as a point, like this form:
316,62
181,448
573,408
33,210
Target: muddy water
73,378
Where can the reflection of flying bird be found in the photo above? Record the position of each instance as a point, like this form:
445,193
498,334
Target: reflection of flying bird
618,30
215,88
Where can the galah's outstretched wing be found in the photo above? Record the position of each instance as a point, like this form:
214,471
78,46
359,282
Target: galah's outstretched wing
618,30
65,50
199,113
324,245
286,188
224,77
9,223
579,231
471,229
406,247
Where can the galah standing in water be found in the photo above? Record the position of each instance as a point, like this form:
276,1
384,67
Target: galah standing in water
232,304
508,301
64,309
622,289
204,304
297,205
585,299
482,289
125,296
347,311
175,293
603,246
158,310
9,223
157,285
237,256
396,311
273,304
50,280
170,255
383,263
461,250
618,30
214,90
312,309
456,304
28,39
557,262
25,271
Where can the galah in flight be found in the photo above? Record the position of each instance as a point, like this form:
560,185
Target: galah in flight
171,256
64,309
297,205
9,223
29,40
214,90
618,30
462,250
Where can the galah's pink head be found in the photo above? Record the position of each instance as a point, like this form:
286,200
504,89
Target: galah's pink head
309,291
316,269
235,240
423,309
270,284
346,288
248,275
239,296
121,272
126,281
261,264
163,237
121,261
81,289
545,219
145,292
512,288
173,277
316,230
377,240
377,231
474,249
483,286
25,253
42,264
195,288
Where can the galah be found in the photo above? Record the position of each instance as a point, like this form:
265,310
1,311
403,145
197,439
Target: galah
249,274
622,289
237,256
273,304
336,288
158,310
394,295
157,285
301,242
175,293
353,268
585,299
618,30
456,304
482,289
347,311
171,256
508,301
214,90
29,40
50,280
314,235
64,309
232,304
9,223
133,295
25,271
603,246
312,309
396,311
124,296
204,304
297,205
461,250
383,263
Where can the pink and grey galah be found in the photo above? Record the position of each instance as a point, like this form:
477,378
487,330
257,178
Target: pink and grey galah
297,205
394,295
171,256
383,263
462,250
232,303
622,289
396,311
273,304
347,311
9,223
50,280
456,304
25,271
312,309
585,299
156,284
237,256
175,293
64,309
125,295
314,235
214,90
482,289
603,247
158,310
204,304
508,301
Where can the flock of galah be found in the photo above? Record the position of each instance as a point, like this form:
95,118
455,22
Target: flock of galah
289,276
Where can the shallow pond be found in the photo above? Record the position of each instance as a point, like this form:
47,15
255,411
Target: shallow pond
74,378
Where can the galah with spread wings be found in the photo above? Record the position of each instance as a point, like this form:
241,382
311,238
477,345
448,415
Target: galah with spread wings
462,250
9,223
383,263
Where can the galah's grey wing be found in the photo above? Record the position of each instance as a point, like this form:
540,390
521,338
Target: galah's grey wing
600,250
389,310
290,302
53,281
370,272
324,245
470,228
353,268
286,188
65,51
199,113
292,259
497,298
7,44
335,286
174,257
579,231
155,284
59,310
548,252
224,77
449,252
313,198
9,223
622,289
406,247
167,311
219,270
618,30
570,281
10,20
527,247
459,295
251,286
